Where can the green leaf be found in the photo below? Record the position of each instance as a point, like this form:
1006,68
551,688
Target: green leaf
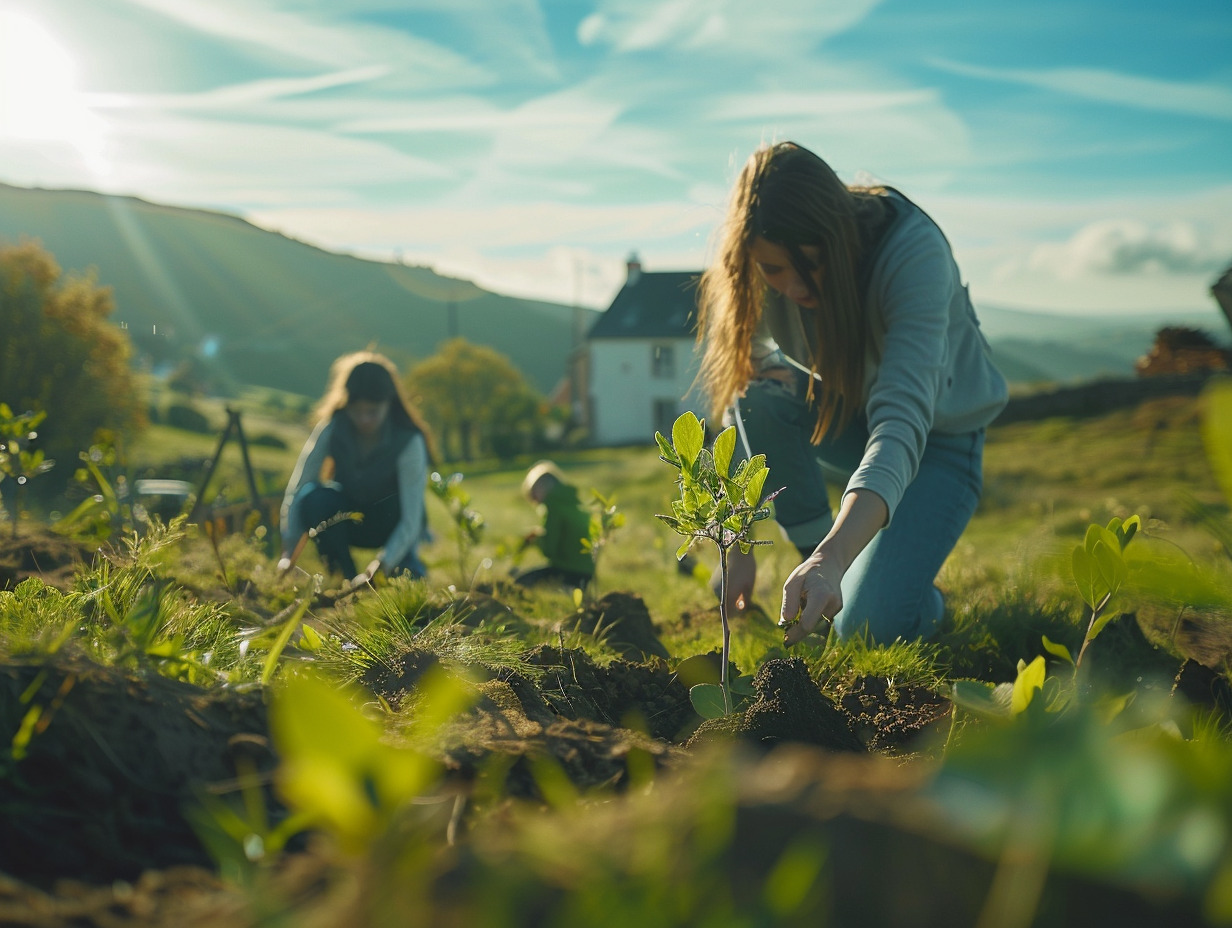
666,451
688,436
1057,650
989,700
311,640
757,481
1085,576
284,635
707,699
1106,615
1111,565
724,448
1030,678
1128,529
684,548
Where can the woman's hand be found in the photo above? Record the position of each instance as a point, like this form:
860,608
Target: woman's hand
812,593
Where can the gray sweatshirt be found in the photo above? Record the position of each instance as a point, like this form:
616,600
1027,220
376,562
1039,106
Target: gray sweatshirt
934,371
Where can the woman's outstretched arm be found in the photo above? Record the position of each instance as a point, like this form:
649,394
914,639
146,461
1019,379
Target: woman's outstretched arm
813,590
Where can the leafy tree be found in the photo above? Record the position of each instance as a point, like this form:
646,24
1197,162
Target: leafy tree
476,401
60,354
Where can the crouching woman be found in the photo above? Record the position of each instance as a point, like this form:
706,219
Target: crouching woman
361,476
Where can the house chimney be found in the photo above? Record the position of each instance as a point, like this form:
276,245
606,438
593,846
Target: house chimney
634,269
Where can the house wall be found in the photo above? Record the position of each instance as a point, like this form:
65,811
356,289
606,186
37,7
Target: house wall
632,395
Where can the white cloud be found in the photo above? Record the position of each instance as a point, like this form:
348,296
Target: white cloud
749,29
1191,98
221,162
237,96
1139,254
321,38
513,248
1130,247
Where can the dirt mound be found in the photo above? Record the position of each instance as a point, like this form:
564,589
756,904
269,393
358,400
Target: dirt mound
102,790
788,707
643,695
513,734
885,715
40,552
623,620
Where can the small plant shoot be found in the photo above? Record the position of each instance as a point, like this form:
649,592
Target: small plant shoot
714,504
468,525
1100,571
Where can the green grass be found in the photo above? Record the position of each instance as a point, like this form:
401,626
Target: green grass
1006,582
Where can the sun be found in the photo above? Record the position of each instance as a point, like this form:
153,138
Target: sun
39,100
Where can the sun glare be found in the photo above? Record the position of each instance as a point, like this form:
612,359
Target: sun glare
39,100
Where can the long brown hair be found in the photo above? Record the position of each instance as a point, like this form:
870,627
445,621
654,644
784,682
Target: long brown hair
369,375
788,196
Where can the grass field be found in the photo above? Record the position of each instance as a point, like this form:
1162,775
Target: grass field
1045,482
477,754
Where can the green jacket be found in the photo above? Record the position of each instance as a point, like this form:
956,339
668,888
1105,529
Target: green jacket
565,524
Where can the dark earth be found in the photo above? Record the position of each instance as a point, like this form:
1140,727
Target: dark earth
116,758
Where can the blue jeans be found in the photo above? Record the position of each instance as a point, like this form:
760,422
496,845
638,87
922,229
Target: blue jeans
320,502
888,591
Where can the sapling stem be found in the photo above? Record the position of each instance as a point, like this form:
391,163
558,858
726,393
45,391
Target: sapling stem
1095,614
727,706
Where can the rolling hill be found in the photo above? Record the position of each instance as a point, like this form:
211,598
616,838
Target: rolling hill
273,311
270,310
1039,347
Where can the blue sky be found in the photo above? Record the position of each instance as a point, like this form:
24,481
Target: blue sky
1078,153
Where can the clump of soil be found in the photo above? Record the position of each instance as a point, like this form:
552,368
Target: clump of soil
788,706
394,682
624,622
513,731
102,790
39,552
642,695
886,715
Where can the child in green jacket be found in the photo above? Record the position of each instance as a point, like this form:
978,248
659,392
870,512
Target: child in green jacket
565,525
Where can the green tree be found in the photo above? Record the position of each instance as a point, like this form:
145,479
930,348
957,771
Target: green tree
476,401
61,355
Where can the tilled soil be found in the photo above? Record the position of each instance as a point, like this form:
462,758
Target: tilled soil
39,552
885,715
112,764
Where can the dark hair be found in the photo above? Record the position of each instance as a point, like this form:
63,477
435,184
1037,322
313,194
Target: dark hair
370,382
368,375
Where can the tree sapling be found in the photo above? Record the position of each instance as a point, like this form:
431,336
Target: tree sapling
714,504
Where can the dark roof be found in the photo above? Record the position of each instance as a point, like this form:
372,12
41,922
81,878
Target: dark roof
658,304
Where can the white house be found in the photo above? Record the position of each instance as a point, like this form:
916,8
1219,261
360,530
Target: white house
642,359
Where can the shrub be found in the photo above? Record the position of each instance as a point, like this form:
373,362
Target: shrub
188,418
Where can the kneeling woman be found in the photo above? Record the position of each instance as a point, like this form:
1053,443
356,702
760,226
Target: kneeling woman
380,453
836,323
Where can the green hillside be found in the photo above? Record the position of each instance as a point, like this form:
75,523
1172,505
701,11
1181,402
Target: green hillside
270,310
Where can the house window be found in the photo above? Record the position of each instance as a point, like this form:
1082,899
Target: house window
665,415
663,362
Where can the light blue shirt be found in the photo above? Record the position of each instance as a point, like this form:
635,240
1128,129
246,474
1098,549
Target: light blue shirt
929,367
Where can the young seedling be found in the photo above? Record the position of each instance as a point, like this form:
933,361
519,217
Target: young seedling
1099,571
714,504
18,463
603,524
468,525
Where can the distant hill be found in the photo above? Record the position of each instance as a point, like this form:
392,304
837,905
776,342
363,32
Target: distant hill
273,311
1037,347
270,310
